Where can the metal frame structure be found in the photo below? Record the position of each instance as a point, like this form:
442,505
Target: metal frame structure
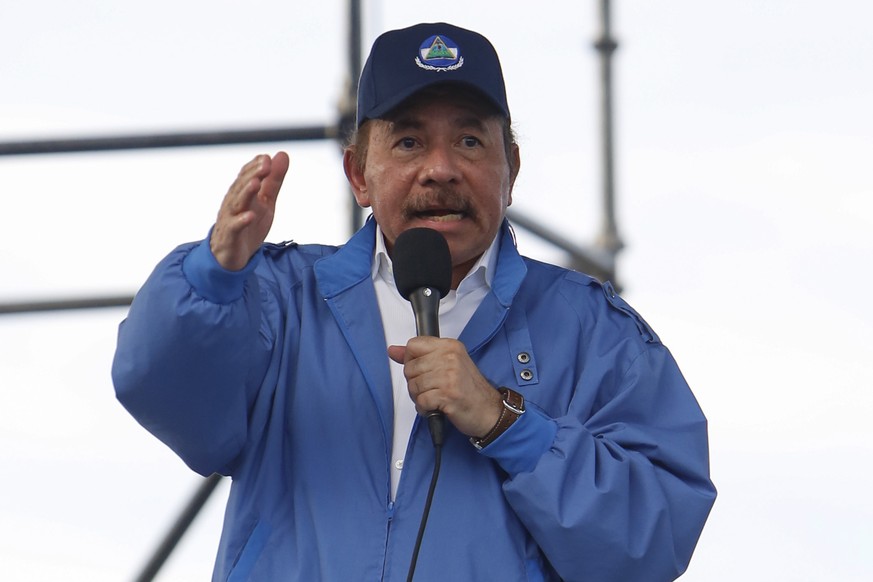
597,260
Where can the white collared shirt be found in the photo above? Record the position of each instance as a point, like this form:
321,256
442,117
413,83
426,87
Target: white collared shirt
455,312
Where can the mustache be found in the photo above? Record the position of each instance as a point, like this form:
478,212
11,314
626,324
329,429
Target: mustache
441,199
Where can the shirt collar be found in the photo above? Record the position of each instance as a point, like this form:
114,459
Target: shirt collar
481,273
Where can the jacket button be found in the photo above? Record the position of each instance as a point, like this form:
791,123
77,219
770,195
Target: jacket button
524,357
526,374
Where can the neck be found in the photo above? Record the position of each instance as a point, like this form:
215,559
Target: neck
461,271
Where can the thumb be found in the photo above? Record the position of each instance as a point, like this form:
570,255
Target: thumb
397,353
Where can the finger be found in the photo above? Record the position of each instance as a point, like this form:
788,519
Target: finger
239,200
427,355
421,346
246,185
259,166
253,195
420,394
397,353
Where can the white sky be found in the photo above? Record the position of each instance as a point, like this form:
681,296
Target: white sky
744,140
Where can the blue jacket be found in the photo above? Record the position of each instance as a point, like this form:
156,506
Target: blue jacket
278,376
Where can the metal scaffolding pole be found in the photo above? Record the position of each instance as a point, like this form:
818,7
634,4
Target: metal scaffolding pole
349,105
65,304
179,527
168,140
609,239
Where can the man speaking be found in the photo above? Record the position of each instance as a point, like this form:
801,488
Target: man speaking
573,448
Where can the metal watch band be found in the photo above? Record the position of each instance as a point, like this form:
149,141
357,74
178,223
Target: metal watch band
513,408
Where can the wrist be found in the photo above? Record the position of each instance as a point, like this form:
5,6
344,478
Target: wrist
212,281
511,410
521,448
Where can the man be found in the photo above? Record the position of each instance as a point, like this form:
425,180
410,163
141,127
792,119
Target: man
574,448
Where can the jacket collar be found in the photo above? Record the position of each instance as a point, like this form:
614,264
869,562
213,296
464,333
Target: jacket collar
349,265
353,262
511,270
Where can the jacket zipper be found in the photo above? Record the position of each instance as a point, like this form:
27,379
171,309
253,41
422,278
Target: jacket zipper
387,538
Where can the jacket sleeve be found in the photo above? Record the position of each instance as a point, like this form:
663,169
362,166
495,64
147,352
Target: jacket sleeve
190,354
622,490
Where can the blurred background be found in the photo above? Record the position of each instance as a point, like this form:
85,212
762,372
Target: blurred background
744,198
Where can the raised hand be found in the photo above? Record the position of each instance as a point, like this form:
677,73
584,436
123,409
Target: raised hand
247,211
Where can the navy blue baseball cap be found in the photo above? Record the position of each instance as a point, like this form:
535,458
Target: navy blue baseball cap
403,62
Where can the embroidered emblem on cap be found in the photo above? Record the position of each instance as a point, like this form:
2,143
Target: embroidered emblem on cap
439,53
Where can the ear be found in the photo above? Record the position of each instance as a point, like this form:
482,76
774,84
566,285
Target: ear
355,176
514,166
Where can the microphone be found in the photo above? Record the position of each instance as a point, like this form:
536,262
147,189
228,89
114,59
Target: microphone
423,275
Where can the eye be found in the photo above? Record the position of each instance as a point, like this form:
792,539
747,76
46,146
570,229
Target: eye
406,143
471,141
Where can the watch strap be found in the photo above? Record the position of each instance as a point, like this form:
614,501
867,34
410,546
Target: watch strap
513,408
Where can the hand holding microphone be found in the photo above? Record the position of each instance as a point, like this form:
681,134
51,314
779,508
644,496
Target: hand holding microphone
440,375
423,275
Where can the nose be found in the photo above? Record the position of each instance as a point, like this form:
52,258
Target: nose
439,166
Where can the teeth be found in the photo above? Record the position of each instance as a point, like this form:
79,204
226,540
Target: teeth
443,217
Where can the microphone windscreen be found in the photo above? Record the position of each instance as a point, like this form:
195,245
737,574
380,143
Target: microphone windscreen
421,258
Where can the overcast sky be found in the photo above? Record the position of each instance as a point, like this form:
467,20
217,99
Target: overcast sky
744,139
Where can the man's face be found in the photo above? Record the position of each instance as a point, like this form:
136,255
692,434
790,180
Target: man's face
440,163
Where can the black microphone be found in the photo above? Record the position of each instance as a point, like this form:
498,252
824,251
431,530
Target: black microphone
423,275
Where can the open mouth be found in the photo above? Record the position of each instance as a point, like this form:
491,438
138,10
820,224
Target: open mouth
440,206
441,214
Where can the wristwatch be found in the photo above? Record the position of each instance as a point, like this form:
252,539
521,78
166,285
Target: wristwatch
513,408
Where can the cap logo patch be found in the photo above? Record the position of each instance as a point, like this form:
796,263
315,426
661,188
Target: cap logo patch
439,53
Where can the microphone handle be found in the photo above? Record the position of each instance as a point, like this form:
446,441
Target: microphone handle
426,307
